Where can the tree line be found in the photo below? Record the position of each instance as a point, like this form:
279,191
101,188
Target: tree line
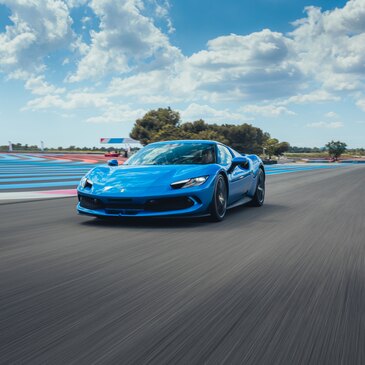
165,124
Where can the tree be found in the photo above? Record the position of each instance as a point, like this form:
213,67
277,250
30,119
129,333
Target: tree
244,138
168,132
336,149
212,135
195,127
282,148
274,147
152,122
270,146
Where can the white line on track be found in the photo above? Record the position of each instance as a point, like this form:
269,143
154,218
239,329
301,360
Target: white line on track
44,194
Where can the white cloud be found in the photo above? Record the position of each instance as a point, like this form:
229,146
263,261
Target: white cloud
162,9
76,3
270,110
39,28
257,66
196,111
330,45
316,96
327,125
361,104
126,39
158,86
37,85
73,100
331,115
233,68
85,20
118,114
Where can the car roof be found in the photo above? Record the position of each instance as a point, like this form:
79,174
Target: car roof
187,141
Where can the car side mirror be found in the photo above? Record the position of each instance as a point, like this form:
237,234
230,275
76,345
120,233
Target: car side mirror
113,163
238,161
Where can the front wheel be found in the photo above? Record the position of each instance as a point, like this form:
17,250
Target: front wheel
219,202
259,197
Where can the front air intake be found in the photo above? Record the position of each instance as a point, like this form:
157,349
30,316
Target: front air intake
169,204
90,203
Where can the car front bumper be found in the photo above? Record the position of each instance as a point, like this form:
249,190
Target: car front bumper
185,202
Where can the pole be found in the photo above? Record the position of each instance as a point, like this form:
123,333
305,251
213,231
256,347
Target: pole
10,147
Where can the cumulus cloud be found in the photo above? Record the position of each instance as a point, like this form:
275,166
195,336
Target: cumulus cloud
330,45
197,111
118,114
327,125
73,100
126,39
233,68
151,86
270,110
168,85
162,9
255,66
39,28
331,115
316,96
37,85
76,3
361,104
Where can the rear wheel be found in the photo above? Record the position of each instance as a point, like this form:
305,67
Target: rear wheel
259,197
219,202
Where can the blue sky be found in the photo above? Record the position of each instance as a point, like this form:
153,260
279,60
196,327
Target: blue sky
199,21
77,70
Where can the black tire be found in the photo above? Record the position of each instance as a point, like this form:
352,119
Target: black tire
259,197
218,207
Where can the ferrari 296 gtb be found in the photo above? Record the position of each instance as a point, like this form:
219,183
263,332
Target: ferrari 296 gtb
174,178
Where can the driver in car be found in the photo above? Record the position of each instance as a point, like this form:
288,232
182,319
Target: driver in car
208,156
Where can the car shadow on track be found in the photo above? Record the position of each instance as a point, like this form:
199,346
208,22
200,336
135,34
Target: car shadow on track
147,222
267,213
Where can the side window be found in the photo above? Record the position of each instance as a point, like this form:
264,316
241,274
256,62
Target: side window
224,156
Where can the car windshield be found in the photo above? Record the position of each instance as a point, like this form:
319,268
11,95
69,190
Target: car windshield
174,154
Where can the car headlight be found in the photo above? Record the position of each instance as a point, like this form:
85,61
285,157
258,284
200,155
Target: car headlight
188,183
86,183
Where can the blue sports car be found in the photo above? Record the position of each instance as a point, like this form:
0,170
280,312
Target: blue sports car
174,178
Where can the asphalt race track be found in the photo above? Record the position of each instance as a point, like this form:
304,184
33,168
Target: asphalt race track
281,284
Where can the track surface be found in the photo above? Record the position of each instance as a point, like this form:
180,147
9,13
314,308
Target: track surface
32,172
281,284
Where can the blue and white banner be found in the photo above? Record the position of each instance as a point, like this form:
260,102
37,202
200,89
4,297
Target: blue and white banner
118,140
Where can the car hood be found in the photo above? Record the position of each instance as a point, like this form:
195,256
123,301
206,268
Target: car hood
141,179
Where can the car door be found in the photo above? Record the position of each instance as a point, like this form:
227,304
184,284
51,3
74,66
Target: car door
239,179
